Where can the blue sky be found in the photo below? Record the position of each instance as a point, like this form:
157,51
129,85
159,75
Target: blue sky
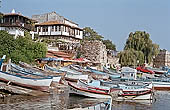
113,19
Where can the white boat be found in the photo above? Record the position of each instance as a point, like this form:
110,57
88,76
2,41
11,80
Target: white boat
41,84
15,68
88,92
25,80
130,91
76,77
135,92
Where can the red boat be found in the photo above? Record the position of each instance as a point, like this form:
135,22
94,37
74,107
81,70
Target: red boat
144,69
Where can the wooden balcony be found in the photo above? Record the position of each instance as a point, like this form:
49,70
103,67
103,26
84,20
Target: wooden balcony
28,27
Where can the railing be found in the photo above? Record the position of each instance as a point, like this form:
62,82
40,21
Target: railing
19,24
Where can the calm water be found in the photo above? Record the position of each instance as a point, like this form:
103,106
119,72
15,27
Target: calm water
62,102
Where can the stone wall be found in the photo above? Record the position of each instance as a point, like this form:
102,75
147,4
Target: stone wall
162,59
95,51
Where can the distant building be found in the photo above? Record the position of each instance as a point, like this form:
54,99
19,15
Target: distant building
162,59
54,26
16,24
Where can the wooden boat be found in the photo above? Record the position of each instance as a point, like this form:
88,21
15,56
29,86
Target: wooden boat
40,71
29,81
15,68
135,92
76,77
98,74
70,71
78,68
112,75
156,70
132,90
25,80
159,83
144,69
55,70
90,92
95,71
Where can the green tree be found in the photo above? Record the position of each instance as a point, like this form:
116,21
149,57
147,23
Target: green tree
109,44
141,42
90,34
21,48
131,57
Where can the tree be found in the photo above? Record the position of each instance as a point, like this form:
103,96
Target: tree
90,34
21,48
109,45
131,57
141,42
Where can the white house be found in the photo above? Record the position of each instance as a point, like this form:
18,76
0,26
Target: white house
54,26
16,24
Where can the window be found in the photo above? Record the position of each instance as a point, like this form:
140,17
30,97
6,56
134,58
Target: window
52,29
39,29
59,28
44,29
76,32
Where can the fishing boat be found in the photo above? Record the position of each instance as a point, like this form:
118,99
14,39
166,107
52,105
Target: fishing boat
145,70
24,80
135,92
40,71
15,68
159,83
78,68
112,75
156,70
76,77
91,91
129,91
98,74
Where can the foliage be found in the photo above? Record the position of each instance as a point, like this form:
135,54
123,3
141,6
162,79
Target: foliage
140,42
131,57
90,34
21,49
109,45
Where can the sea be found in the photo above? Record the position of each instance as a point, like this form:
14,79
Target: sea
64,102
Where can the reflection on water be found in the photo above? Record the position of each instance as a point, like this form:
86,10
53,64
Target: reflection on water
84,102
63,101
161,103
51,102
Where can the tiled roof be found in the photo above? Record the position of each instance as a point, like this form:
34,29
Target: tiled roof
17,14
59,54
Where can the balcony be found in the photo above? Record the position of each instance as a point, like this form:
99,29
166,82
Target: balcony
28,27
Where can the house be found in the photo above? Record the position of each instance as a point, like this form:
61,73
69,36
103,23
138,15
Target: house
53,26
16,24
162,59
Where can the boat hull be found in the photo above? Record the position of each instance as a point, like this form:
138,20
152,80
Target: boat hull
87,93
42,84
148,96
161,85
76,77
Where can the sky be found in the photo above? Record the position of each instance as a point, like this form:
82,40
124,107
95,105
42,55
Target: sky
113,19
